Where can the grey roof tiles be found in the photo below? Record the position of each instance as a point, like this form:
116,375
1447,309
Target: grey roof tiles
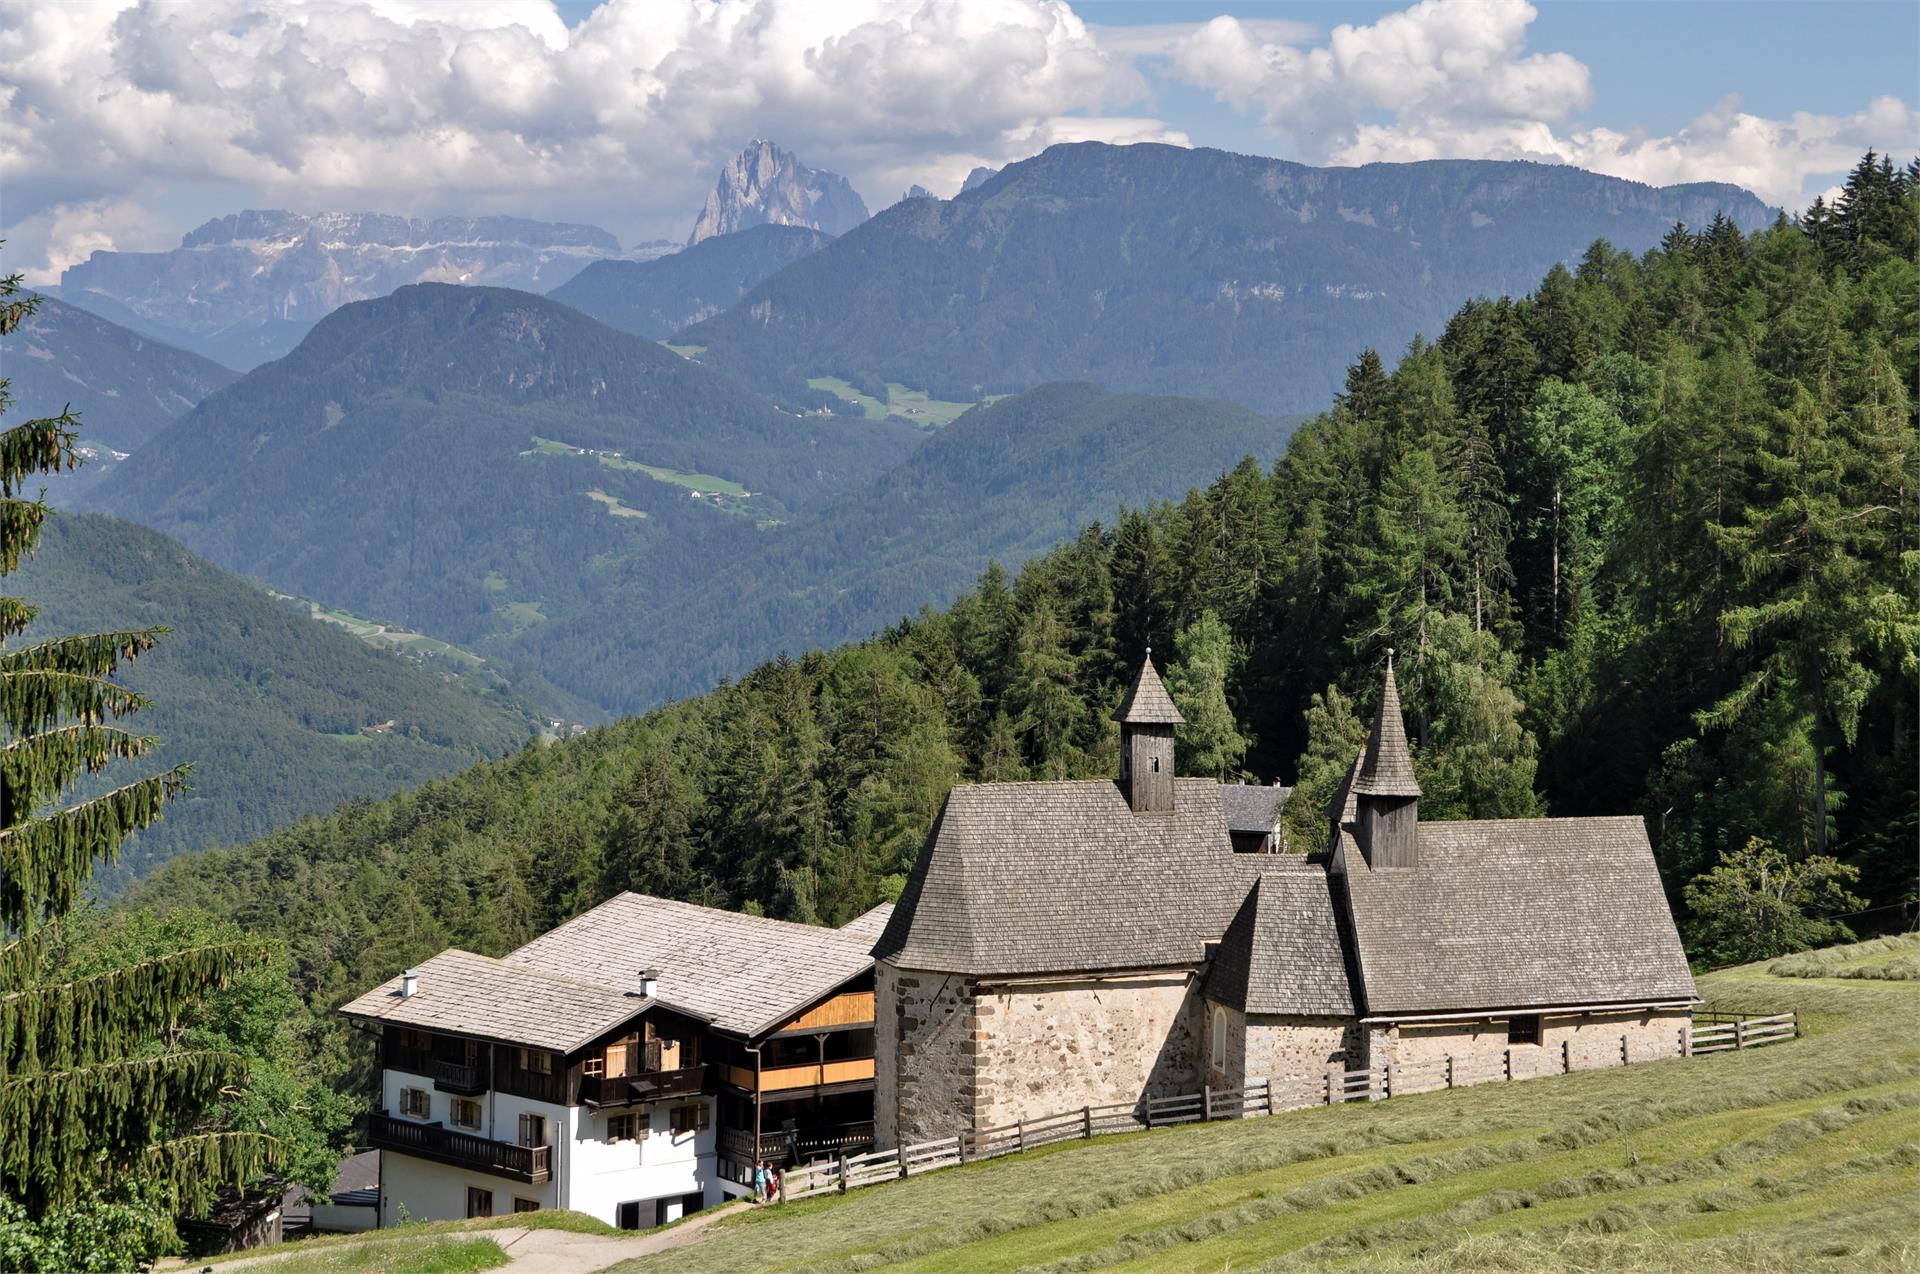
1387,767
1148,702
466,994
1251,807
1282,952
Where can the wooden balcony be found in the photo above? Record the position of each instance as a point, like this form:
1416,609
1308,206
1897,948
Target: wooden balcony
459,1149
627,1090
779,1079
459,1077
827,1141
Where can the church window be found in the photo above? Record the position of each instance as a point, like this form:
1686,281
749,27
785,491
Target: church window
1220,1038
1524,1030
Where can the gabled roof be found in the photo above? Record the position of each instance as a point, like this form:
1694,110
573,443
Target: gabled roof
1282,954
1251,807
474,995
1515,913
1056,877
1148,702
1387,767
1343,808
745,973
869,924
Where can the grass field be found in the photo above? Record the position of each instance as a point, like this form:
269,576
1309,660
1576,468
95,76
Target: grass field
708,482
916,405
377,634
1804,1155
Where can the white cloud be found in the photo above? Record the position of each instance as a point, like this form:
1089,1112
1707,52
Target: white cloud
423,105
1452,79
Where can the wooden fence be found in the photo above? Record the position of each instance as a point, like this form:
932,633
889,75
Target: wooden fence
1711,1032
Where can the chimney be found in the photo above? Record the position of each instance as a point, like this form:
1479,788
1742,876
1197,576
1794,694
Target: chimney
1386,795
1147,718
409,984
649,983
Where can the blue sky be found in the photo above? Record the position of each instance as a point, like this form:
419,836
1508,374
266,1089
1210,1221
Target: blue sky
132,120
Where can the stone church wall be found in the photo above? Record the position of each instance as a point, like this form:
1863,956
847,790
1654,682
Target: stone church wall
1056,1046
924,1054
1290,1047
1594,1039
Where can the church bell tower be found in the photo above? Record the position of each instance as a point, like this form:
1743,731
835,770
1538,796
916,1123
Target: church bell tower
1147,719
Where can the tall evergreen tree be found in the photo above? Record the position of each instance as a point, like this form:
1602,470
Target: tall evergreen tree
1210,743
97,1101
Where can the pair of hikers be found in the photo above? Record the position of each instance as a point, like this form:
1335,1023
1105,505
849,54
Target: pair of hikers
766,1183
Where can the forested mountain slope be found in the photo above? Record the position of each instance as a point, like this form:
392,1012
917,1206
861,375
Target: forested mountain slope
657,298
276,711
1167,270
125,387
1643,540
426,459
1005,481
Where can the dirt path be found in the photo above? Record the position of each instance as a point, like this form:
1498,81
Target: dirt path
532,1251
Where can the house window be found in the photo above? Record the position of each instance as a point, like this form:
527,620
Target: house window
625,1128
690,1118
466,1112
1219,1039
479,1202
525,1205
533,1130
537,1062
1524,1030
415,1103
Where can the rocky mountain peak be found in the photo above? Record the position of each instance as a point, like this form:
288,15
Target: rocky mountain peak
764,184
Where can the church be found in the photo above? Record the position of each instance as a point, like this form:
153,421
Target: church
1062,944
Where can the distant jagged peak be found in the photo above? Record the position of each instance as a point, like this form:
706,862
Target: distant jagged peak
917,191
766,185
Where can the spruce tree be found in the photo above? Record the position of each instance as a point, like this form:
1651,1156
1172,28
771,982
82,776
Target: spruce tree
97,1100
1210,744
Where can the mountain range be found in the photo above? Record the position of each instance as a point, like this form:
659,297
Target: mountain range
1162,269
657,297
245,288
281,715
764,185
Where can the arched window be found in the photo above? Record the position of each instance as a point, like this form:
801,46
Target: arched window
1220,1039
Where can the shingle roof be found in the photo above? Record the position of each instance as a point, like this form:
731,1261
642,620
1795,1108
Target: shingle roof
1515,913
1148,702
1062,876
869,924
1387,768
466,994
1282,953
1251,807
746,973
1343,807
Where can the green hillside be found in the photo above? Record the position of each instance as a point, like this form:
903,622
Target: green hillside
1004,481
1798,1156
276,711
657,298
386,466
1172,270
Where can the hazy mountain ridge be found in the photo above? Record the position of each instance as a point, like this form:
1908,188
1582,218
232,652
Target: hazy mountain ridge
1165,270
658,297
765,185
283,716
244,288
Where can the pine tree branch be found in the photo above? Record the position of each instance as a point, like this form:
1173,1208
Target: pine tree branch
34,700
91,654
80,1022
41,767
198,1167
46,862
46,445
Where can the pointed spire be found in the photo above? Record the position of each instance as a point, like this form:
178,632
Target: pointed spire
1387,769
1148,703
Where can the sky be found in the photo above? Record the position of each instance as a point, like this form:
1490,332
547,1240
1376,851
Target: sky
128,122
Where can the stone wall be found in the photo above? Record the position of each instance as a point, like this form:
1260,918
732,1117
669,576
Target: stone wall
924,1055
1293,1047
1594,1039
1047,1048
1226,1065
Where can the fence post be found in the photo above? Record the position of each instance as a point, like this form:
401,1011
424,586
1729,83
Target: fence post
1086,1119
1393,1079
843,1171
1566,1056
1739,1033
1206,1102
1335,1080
1796,1024
1270,1109
903,1158
1449,1070
1020,1131
961,1139
1686,1039
1509,1062
1626,1056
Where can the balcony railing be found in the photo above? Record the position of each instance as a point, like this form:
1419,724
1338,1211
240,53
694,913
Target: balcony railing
625,1090
460,1149
460,1077
826,1141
